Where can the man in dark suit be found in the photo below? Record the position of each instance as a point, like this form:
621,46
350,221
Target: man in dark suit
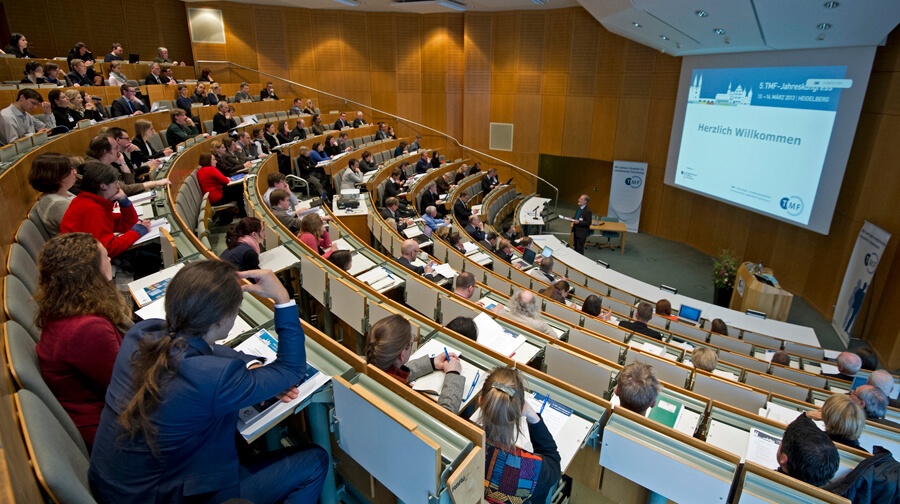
153,77
79,75
430,198
128,104
382,133
489,182
424,163
581,228
223,121
461,209
475,228
643,315
390,211
408,252
848,364
341,123
359,121
490,241
268,93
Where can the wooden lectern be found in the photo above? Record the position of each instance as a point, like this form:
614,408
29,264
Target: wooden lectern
751,293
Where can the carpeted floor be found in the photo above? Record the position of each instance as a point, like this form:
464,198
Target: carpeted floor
659,261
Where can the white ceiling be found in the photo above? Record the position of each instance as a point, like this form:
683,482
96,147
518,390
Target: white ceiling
749,25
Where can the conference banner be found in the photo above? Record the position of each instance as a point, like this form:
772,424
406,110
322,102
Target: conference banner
867,253
626,193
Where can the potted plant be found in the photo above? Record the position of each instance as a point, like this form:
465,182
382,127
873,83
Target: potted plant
724,272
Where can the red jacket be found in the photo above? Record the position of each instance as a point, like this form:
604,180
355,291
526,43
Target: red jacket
76,356
213,182
90,213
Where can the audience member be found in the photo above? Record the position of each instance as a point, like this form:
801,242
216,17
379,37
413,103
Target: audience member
544,270
401,149
844,419
423,165
226,160
352,175
359,121
92,212
243,240
343,259
154,76
341,123
268,93
181,129
432,220
284,132
84,106
316,126
704,358
317,154
505,253
524,307
62,114
868,357
143,132
81,315
637,387
314,233
465,285
52,175
435,158
212,97
884,381
18,46
309,109
848,364
489,182
105,149
280,203
205,75
874,402
81,52
461,210
465,326
409,250
512,474
391,211
248,149
664,309
79,73
297,107
781,357
806,453
115,53
591,305
16,120
719,326
416,145
310,173
131,164
128,104
243,93
557,291
34,73
162,56
430,197
116,77
475,228
276,180
299,131
217,185
223,121
52,76
642,317
144,445
389,346
182,98
382,133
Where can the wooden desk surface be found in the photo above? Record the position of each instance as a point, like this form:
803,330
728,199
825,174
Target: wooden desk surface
612,227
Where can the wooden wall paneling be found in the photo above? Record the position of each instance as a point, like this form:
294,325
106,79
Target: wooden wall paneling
656,151
881,331
355,35
272,53
382,56
702,232
631,129
553,116
476,116
876,205
829,260
408,44
435,42
301,53
144,26
673,217
112,18
578,126
409,106
454,115
434,111
612,52
530,56
883,93
639,58
172,16
558,40
732,231
792,245
31,18
503,111
603,127
527,129
67,24
456,43
240,36
478,48
504,42
849,201
761,243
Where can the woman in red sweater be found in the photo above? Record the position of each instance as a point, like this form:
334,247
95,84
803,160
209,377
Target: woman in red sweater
92,212
212,181
82,318
314,234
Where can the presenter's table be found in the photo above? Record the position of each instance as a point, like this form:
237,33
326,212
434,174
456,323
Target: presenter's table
612,227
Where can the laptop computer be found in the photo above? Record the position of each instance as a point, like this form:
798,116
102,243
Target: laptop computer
689,315
547,252
134,58
528,256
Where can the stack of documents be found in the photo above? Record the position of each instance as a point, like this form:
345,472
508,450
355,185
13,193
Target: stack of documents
378,278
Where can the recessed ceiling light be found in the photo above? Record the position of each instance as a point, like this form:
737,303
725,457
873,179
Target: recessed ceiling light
719,31
823,26
832,5
664,37
637,25
701,13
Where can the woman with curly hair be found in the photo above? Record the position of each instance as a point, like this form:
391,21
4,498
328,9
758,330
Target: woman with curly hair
82,318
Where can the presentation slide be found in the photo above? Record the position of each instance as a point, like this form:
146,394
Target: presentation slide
758,136
769,131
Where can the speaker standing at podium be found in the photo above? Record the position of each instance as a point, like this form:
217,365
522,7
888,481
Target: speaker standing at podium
582,225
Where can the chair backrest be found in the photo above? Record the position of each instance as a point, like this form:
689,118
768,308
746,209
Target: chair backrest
208,126
609,234
817,381
733,394
29,236
729,343
36,220
772,384
23,363
158,141
20,265
19,306
61,468
804,350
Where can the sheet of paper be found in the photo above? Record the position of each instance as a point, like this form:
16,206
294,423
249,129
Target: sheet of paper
525,353
780,413
432,348
445,270
152,287
373,275
360,263
470,247
724,374
262,344
728,438
831,354
762,448
157,310
155,226
277,259
494,336
412,232
687,422
829,368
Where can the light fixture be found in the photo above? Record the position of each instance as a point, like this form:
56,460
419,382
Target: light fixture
701,13
719,31
831,5
540,2
450,4
823,26
350,3
636,24
664,37
821,37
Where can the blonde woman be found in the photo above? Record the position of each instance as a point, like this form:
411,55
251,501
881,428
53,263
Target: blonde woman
512,474
705,359
844,419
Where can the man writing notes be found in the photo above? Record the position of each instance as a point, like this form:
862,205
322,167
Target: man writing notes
581,224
